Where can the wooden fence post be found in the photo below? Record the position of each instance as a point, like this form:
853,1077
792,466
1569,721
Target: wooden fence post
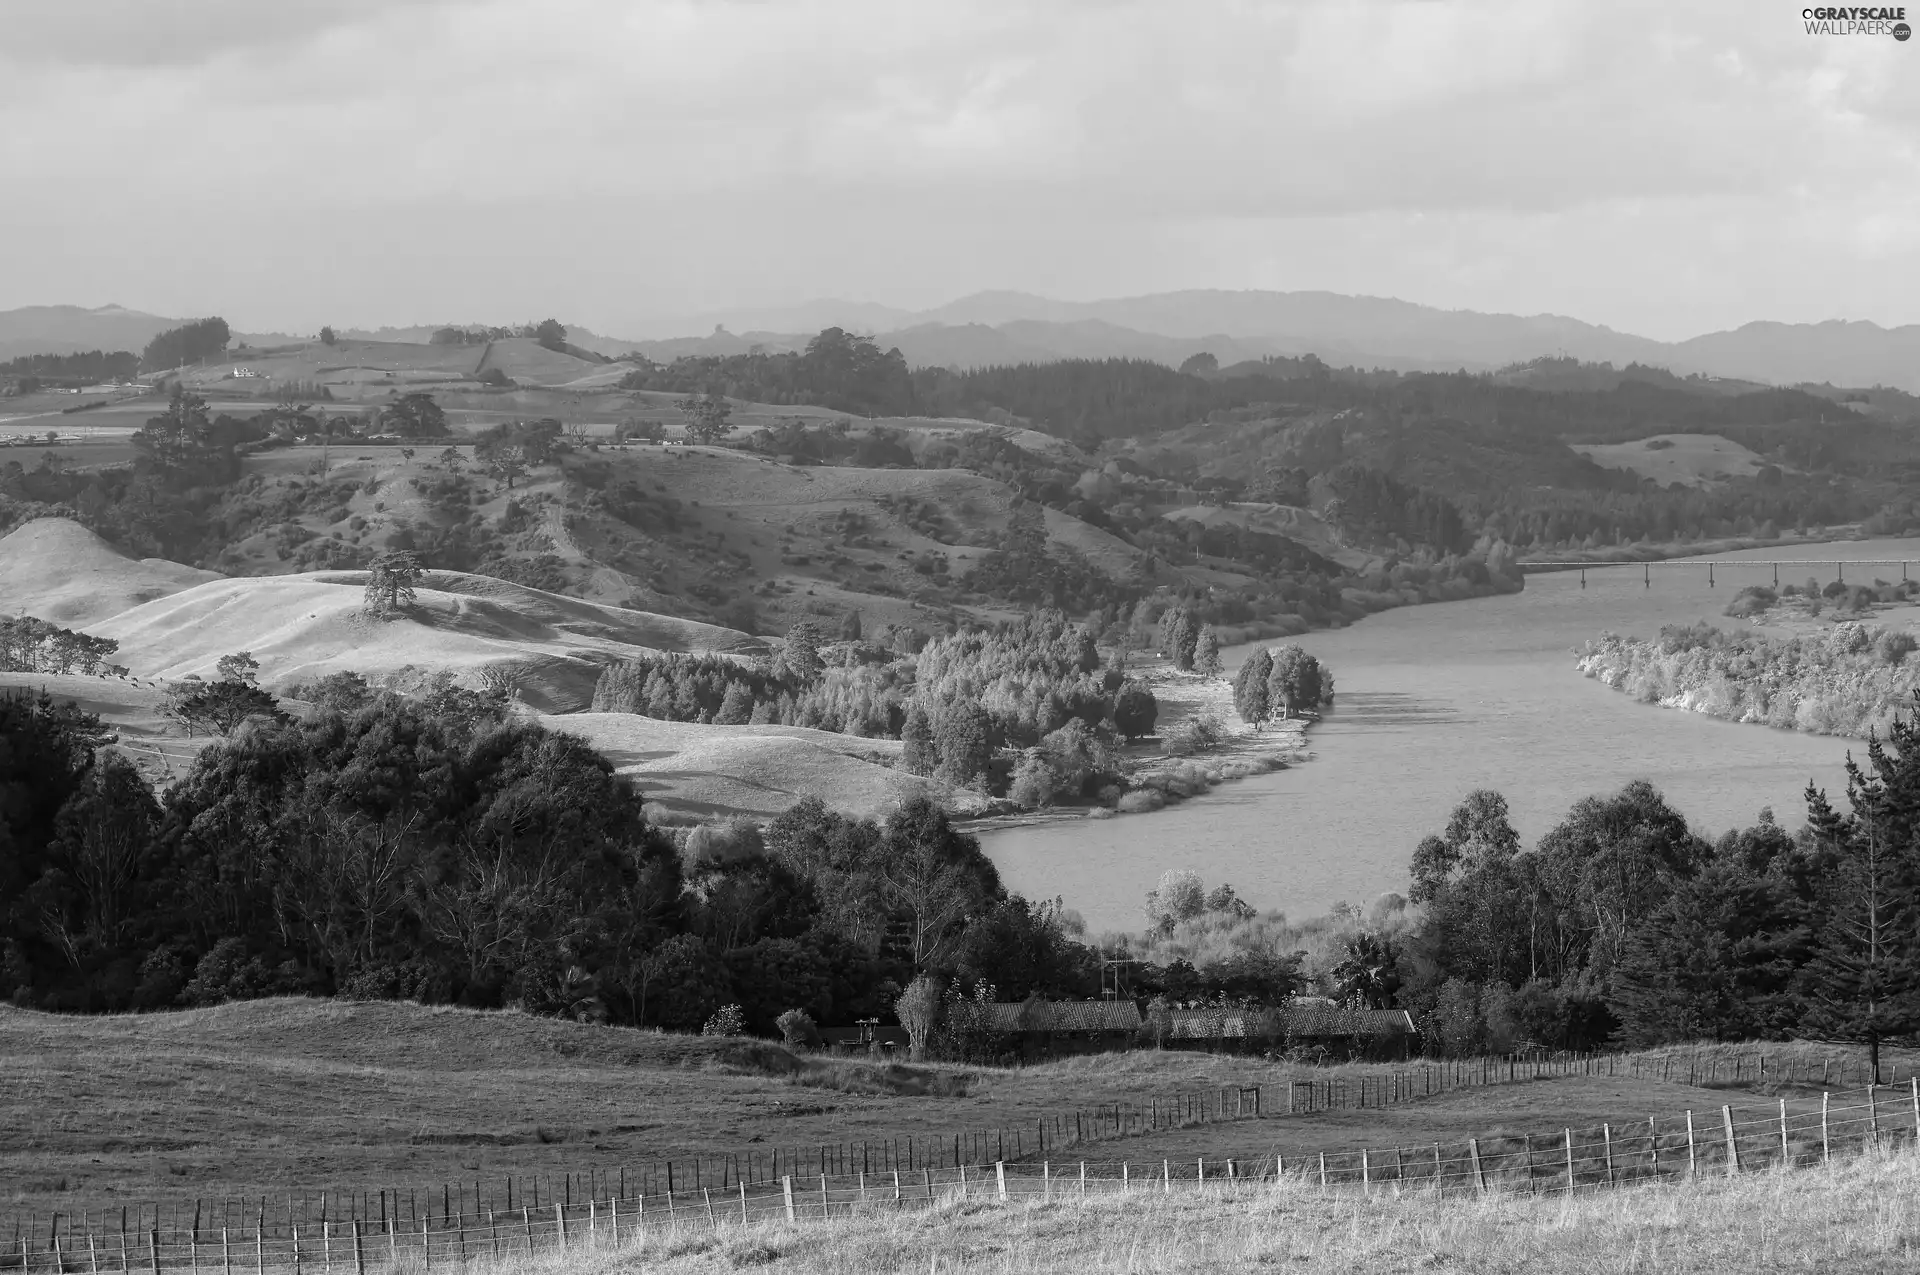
1570,1183
1733,1147
1693,1163
1000,1177
1606,1138
153,1252
1826,1147
1873,1115
1166,1177
1323,1173
1366,1172
826,1200
1786,1149
293,1230
786,1191
426,1241
1915,1082
1083,1179
1473,1151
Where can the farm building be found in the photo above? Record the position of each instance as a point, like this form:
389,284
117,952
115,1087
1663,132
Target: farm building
1042,1028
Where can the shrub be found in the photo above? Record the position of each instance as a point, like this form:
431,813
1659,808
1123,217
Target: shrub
726,1021
1893,647
796,1028
1032,782
1196,734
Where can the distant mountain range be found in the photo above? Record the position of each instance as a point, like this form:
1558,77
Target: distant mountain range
1013,327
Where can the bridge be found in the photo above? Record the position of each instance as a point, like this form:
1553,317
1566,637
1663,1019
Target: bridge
1797,568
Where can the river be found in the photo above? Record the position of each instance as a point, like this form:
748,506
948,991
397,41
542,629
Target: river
1435,701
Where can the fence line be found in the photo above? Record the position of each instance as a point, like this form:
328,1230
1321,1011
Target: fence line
1035,1139
1585,1159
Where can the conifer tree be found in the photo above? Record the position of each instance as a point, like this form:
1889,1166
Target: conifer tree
1250,698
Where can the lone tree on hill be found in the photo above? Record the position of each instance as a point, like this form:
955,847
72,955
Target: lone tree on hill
552,334
328,336
391,580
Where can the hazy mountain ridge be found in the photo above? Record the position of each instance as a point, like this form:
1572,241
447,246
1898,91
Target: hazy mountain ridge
1003,327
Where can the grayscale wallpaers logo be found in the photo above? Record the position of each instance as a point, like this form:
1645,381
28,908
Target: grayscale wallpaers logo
1869,20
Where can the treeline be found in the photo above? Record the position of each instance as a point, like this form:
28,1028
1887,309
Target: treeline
189,343
90,366
1625,925
1853,679
31,645
957,703
837,370
385,848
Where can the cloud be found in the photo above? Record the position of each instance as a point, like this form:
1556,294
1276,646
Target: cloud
917,148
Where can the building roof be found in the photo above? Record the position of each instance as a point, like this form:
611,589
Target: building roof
1062,1016
1301,1020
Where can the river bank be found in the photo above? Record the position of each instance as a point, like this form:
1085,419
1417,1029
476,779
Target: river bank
1434,702
1157,778
1624,555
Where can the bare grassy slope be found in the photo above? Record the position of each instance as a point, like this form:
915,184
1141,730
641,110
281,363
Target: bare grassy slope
1694,460
759,770
57,570
305,626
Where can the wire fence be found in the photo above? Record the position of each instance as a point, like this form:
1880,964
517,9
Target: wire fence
1360,1087
1679,1148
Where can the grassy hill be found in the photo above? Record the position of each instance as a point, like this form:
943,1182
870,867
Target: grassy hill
302,627
717,771
57,570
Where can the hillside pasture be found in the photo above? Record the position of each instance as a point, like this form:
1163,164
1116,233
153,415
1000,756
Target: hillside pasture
306,626
267,1096
1301,525
710,771
1692,460
57,570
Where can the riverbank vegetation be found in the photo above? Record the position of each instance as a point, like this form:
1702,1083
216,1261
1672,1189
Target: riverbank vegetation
1850,679
1625,924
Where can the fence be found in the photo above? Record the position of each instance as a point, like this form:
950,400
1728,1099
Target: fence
1037,1139
1572,1161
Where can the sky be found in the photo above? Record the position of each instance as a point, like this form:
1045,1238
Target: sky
1666,169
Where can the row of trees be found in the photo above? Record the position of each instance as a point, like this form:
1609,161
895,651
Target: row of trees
32,645
1625,924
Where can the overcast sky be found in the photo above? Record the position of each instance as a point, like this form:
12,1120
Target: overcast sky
1665,169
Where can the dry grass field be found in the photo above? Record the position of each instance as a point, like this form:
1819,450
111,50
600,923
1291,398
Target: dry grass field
1858,1216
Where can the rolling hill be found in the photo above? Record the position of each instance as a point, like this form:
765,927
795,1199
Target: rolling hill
58,571
305,626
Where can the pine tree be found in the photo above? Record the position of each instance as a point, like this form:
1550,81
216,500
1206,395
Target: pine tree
918,753
737,707
1206,654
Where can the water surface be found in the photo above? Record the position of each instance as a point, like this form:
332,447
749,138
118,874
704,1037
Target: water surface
1435,701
